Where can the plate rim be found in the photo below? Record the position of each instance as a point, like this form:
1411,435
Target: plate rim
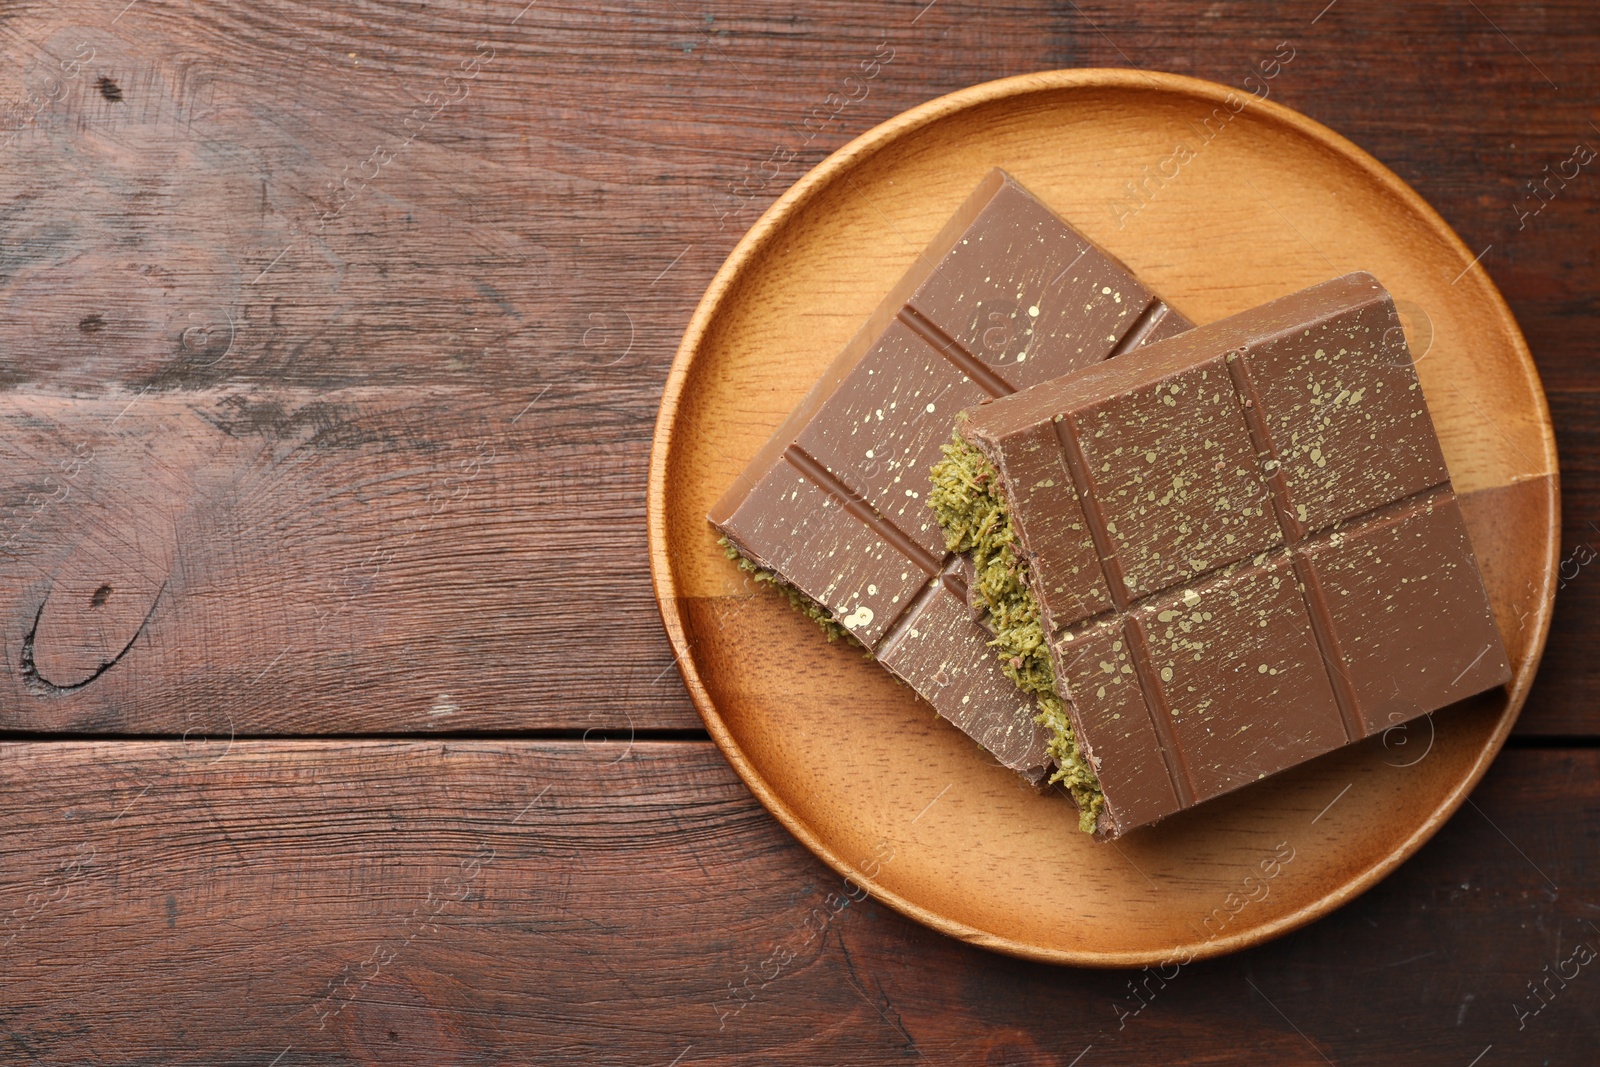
841,162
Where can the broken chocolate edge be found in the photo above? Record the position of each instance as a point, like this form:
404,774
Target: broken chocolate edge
976,523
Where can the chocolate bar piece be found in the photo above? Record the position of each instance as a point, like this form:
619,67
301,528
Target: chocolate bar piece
1006,296
1243,547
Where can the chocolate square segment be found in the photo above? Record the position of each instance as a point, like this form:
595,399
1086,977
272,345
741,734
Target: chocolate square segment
1040,484
1022,291
881,431
835,503
1174,503
941,654
1234,665
1109,704
1274,524
864,580
1343,413
1405,610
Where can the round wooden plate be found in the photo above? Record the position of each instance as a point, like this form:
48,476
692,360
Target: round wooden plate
1259,201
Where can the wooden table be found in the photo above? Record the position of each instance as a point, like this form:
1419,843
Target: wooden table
339,723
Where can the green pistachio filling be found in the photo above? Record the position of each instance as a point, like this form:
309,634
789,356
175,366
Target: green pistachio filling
798,600
969,507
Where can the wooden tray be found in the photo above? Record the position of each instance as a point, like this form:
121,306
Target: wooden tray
1263,201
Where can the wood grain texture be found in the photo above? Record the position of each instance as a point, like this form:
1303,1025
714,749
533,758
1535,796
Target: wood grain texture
456,208
836,754
554,224
510,902
225,197
193,557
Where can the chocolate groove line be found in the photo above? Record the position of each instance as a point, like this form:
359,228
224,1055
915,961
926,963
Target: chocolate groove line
896,631
953,579
940,573
1147,321
1078,467
1322,629
1394,507
1333,656
856,505
1296,541
1104,550
1383,511
952,350
1294,531
1155,702
868,516
986,379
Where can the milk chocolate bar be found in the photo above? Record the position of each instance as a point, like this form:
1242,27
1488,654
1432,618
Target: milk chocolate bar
834,505
1242,547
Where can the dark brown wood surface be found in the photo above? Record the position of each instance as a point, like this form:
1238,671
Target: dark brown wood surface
330,343
442,902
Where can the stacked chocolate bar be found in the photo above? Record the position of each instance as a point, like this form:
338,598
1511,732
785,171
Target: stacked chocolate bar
1148,561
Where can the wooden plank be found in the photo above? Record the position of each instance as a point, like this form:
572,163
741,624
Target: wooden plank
240,204
329,258
356,560
475,902
454,211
